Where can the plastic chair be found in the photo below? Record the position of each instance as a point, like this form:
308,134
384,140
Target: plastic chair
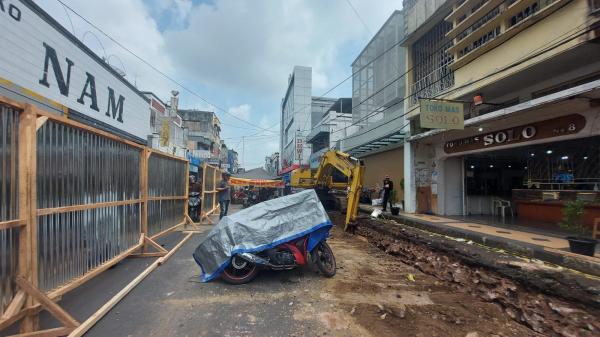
503,205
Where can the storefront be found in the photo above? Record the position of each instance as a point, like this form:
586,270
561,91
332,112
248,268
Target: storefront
524,162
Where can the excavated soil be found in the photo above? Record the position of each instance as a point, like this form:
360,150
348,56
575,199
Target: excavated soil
451,294
373,295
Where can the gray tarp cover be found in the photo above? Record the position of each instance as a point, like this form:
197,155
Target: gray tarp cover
260,227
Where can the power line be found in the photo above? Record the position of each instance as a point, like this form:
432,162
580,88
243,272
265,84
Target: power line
379,110
156,69
525,59
358,15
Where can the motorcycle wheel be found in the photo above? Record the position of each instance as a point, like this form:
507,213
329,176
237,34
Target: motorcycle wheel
239,271
324,259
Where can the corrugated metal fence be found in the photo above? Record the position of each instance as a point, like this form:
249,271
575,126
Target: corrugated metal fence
75,200
9,205
168,190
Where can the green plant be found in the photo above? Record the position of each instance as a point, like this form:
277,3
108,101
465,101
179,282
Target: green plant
402,184
394,197
573,218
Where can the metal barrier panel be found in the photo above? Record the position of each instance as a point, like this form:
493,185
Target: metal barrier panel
207,202
9,237
209,179
166,178
71,244
79,168
164,214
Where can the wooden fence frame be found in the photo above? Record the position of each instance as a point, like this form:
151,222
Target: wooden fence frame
205,216
29,300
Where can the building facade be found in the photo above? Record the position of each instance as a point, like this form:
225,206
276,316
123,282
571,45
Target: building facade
331,124
272,164
527,75
295,119
378,89
168,134
203,133
232,157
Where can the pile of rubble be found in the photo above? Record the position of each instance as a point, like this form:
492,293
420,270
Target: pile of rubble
549,300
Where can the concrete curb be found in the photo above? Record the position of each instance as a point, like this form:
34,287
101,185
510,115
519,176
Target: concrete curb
514,246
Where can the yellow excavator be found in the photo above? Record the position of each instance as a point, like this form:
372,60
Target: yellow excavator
338,171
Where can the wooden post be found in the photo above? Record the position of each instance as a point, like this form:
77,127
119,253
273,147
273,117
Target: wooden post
145,157
28,267
203,199
186,214
215,194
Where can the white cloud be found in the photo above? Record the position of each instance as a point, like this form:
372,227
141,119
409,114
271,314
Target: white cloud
132,26
241,111
253,45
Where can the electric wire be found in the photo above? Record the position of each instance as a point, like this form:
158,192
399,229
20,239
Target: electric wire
570,38
192,92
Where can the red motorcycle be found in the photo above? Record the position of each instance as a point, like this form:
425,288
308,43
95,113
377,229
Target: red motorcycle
244,267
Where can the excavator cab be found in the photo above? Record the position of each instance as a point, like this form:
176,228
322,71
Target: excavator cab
337,171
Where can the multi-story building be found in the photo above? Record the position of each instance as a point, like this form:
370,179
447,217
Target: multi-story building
168,134
378,90
328,127
224,157
272,164
525,76
204,130
295,119
232,158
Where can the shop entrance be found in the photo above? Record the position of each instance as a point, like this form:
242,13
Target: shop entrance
530,185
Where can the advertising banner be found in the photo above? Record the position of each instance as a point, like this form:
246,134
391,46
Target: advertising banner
44,61
441,114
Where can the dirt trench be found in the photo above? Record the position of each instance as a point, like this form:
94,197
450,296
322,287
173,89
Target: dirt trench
526,302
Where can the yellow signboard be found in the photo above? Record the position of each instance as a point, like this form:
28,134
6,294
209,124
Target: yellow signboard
441,114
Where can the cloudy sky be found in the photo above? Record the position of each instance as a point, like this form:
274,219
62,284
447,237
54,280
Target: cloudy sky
236,54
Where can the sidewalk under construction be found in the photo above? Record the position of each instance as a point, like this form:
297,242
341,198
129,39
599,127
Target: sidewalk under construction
537,244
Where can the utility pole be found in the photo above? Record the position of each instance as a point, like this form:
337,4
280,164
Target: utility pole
243,156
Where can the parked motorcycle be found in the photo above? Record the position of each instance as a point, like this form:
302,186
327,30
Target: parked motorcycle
250,199
194,206
244,267
283,233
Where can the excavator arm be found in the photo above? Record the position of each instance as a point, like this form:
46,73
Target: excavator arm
351,168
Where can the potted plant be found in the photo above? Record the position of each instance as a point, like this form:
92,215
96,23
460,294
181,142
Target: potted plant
581,242
395,209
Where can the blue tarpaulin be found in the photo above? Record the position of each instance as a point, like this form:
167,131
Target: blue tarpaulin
260,227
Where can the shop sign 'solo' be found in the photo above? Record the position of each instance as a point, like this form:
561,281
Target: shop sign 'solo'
555,127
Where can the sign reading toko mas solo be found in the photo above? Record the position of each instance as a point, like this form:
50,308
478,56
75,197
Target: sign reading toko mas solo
43,62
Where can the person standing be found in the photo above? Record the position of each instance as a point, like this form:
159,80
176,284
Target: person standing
224,195
388,186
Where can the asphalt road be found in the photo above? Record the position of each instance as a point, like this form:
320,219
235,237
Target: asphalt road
372,294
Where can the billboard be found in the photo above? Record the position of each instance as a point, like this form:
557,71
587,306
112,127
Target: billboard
437,114
41,59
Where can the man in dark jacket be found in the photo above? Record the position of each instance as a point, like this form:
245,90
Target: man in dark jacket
388,186
224,190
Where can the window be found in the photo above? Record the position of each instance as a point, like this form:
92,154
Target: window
595,6
432,73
